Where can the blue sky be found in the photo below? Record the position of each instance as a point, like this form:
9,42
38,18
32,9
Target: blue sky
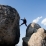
32,10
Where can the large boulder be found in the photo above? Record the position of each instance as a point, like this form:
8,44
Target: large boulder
37,38
31,29
9,26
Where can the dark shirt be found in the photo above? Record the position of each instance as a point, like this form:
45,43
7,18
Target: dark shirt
24,21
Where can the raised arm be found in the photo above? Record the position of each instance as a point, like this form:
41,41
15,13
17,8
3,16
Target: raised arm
21,19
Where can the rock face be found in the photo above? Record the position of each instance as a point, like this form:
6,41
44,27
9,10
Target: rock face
9,26
37,38
31,29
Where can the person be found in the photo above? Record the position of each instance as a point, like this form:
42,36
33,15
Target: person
24,22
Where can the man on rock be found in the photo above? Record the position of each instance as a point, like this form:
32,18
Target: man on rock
24,21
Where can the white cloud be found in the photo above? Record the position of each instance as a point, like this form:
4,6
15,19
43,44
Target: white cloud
37,19
43,21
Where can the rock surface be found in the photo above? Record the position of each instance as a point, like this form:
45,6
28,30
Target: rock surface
9,26
37,38
31,29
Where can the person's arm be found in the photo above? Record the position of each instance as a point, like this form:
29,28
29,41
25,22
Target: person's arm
21,19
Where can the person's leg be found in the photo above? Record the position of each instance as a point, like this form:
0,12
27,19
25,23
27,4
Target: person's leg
25,24
22,24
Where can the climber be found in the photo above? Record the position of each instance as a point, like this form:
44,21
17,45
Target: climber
24,21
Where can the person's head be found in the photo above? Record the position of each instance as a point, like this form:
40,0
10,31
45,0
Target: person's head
24,17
